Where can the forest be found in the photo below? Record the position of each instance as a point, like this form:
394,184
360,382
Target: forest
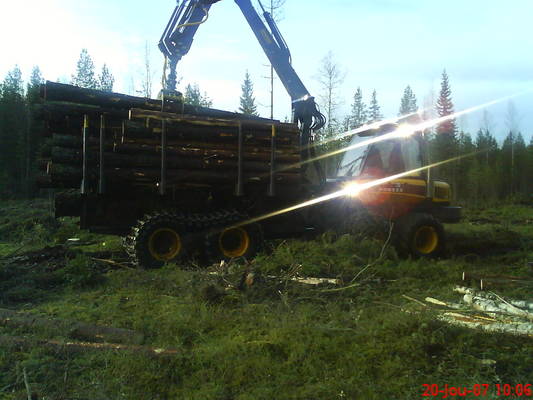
335,316
486,171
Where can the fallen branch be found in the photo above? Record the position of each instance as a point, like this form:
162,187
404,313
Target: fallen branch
73,329
469,276
82,347
312,281
488,281
414,300
111,262
455,306
26,383
502,316
303,280
491,302
515,328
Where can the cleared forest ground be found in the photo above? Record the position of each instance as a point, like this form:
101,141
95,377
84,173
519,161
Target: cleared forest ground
213,337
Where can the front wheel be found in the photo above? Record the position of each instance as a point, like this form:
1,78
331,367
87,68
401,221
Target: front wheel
419,235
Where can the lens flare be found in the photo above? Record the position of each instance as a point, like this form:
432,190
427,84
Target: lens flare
404,130
352,190
366,127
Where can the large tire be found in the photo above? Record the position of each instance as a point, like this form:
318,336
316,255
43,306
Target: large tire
225,241
158,239
419,235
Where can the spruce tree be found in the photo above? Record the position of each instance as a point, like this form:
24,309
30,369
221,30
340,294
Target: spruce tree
487,146
106,80
487,176
85,76
408,102
521,164
374,110
247,99
12,134
36,79
529,175
35,130
444,144
445,107
13,84
358,113
514,165
465,148
194,97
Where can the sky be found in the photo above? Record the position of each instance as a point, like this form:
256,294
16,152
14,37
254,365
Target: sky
383,45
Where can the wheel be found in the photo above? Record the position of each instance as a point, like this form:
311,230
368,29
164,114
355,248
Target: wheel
419,235
158,239
226,240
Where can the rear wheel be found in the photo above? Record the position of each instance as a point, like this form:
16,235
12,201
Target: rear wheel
158,239
419,235
228,239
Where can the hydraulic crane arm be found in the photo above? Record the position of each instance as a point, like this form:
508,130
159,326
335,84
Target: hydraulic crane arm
275,49
190,14
179,34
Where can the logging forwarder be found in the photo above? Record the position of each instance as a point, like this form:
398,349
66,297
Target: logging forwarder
178,180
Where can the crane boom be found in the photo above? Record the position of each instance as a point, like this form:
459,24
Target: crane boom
178,36
275,49
190,14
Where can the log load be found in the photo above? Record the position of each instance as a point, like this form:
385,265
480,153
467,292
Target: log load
124,141
59,92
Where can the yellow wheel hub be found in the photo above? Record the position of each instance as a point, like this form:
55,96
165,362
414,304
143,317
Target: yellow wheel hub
426,239
164,244
234,242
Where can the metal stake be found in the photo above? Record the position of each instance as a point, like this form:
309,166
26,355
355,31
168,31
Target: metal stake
163,182
240,184
272,186
101,182
84,153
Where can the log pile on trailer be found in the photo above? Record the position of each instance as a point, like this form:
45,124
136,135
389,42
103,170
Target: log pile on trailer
96,139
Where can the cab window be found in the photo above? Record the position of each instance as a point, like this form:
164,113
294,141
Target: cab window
392,157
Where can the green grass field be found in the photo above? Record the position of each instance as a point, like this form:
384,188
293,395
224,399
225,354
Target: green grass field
276,340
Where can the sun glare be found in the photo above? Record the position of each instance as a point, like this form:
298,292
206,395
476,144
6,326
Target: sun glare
404,130
352,190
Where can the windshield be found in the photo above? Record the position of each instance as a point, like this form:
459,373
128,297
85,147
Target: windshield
352,160
381,159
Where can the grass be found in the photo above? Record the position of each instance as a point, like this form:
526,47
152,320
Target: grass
277,340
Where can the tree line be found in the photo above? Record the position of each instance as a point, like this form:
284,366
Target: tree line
21,134
484,170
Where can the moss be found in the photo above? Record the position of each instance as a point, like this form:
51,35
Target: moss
276,341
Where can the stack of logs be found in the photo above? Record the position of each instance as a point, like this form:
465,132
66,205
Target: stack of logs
125,136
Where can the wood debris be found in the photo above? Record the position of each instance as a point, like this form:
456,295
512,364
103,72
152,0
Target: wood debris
73,329
492,281
82,347
487,311
249,276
